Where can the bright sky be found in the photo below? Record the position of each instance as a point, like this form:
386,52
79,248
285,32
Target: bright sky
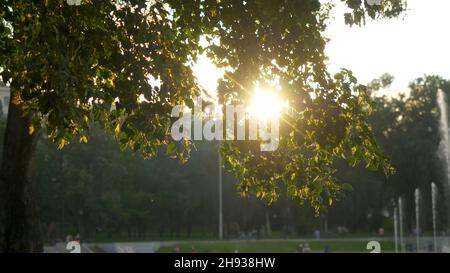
407,48
418,43
207,74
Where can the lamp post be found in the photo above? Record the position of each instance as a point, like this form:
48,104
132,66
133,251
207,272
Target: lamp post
417,201
220,195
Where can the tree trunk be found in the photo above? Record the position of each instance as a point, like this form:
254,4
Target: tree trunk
19,228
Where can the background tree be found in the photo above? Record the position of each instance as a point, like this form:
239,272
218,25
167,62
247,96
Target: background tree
68,66
124,197
413,141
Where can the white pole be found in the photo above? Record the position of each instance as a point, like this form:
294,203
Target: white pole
417,199
395,229
220,197
400,214
433,207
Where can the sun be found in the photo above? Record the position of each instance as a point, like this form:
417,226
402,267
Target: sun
266,104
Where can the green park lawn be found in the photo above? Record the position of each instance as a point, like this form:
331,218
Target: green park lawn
273,246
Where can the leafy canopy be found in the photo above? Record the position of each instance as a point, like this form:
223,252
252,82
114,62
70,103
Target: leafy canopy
69,66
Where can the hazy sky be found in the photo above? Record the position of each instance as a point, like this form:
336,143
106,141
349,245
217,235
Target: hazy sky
409,47
418,43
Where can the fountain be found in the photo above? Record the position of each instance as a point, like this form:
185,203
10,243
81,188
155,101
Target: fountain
444,150
417,199
433,210
396,229
445,139
400,220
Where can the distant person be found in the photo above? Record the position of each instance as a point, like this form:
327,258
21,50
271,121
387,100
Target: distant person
306,248
317,234
409,247
69,238
430,247
262,231
193,249
78,238
300,248
51,233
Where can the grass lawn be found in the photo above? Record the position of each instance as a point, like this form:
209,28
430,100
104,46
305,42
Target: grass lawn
274,246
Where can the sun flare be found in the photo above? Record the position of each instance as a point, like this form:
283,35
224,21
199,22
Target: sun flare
266,104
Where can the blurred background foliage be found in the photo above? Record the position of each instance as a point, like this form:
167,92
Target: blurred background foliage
102,193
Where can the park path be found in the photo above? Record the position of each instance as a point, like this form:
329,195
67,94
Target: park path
151,247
